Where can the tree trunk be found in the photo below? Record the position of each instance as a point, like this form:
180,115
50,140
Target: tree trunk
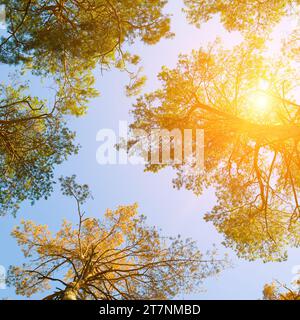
70,293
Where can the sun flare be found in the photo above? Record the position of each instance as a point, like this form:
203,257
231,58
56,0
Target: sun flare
260,101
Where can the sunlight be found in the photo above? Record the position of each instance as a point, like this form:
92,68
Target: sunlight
263,85
260,101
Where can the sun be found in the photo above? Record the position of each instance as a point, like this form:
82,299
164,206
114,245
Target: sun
260,101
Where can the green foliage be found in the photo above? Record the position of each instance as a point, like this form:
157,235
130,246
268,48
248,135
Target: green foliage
70,188
33,140
64,41
69,38
247,16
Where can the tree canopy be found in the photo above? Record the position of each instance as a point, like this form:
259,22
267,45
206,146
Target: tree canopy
63,41
68,39
33,139
278,291
116,257
245,101
247,16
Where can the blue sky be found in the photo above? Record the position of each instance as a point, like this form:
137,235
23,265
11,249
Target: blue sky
175,212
